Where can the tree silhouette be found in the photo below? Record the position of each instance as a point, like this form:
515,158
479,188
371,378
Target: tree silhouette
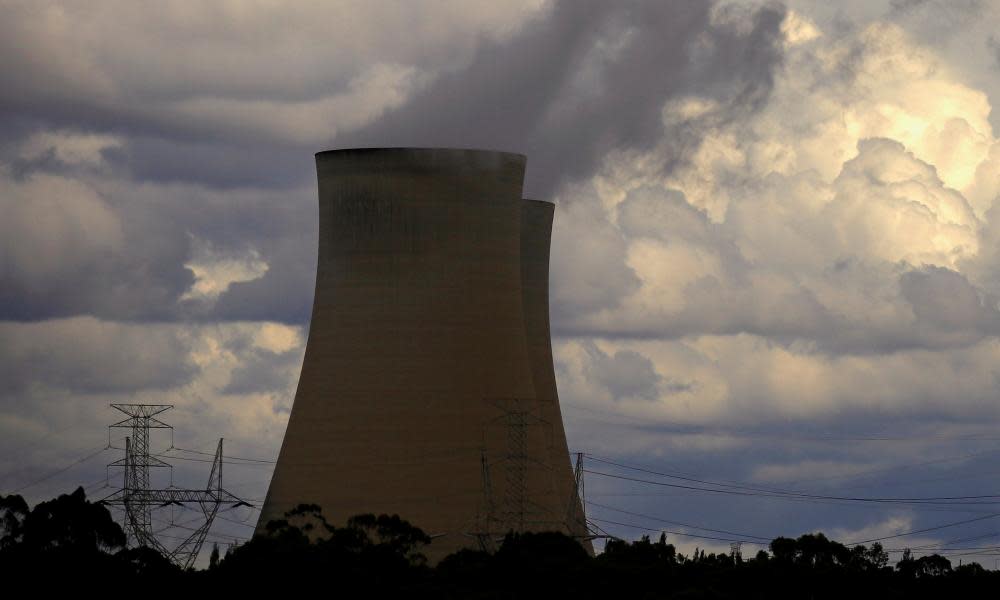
13,511
380,555
393,534
71,522
68,535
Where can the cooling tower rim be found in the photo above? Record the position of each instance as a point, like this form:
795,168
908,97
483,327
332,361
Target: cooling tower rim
418,150
536,202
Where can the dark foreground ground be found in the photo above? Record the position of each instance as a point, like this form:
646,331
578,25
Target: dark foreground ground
71,543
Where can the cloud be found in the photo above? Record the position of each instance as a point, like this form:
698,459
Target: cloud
625,374
185,162
589,79
233,380
806,469
214,272
724,392
768,228
269,361
59,237
945,301
227,96
87,245
89,356
890,526
68,147
178,66
588,273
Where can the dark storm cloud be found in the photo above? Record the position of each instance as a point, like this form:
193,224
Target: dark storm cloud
582,81
590,79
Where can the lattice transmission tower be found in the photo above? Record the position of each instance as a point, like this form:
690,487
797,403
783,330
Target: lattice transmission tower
486,520
576,511
576,508
515,495
516,508
138,499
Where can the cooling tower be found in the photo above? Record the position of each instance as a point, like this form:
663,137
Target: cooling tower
417,394
536,239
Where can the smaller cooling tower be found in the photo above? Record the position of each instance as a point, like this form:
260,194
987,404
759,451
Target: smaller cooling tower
536,239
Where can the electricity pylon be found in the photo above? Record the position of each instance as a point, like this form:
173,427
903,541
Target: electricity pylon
137,498
515,494
485,520
576,512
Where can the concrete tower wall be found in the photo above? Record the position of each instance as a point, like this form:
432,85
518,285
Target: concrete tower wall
417,344
536,240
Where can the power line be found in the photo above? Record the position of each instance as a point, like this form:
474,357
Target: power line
234,522
60,471
256,460
945,508
661,520
820,437
745,535
958,541
745,490
925,530
684,477
901,467
205,460
681,533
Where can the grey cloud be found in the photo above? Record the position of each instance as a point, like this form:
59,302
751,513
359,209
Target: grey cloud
264,371
665,214
118,250
655,212
87,356
283,294
994,46
946,304
906,5
68,251
199,100
936,19
129,65
579,81
590,79
625,374
589,271
218,163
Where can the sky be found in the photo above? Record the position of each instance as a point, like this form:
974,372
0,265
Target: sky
775,262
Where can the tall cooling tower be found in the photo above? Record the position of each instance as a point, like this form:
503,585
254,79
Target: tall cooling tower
418,390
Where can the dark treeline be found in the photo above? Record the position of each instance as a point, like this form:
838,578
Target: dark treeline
69,541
